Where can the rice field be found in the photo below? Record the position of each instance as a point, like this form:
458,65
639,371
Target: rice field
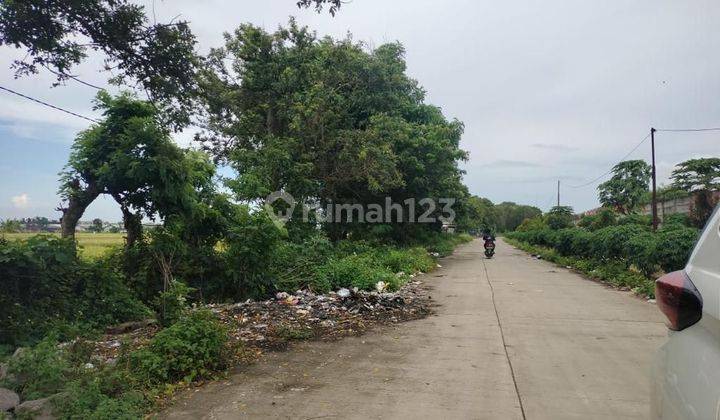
92,245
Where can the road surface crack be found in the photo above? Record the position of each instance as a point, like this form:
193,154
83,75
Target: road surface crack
502,336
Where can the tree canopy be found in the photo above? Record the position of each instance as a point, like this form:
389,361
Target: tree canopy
325,120
510,215
624,191
130,157
701,177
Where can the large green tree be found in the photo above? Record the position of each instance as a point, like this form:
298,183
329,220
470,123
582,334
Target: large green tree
510,215
477,214
700,177
624,191
559,217
325,120
130,157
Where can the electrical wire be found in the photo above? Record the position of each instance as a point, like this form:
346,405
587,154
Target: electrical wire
48,105
611,169
687,129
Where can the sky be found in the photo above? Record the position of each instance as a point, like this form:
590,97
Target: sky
548,91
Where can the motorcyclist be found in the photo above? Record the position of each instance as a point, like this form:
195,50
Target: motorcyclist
489,243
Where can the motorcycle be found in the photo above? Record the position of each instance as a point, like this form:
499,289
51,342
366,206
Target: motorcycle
489,246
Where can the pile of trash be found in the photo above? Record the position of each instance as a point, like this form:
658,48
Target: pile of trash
303,315
306,315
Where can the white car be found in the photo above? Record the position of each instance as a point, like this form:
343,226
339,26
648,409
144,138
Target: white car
686,382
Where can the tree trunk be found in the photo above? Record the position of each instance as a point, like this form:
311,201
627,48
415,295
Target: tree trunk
131,222
77,203
133,227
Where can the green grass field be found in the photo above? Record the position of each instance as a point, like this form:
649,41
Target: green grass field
92,245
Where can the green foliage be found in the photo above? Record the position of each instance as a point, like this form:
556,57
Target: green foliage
294,264
559,217
358,271
535,223
248,258
193,347
11,226
57,35
701,177
131,157
511,215
603,218
97,226
173,302
442,243
614,273
644,220
327,120
641,251
609,243
677,219
625,190
674,245
477,215
40,371
44,282
104,395
409,260
627,255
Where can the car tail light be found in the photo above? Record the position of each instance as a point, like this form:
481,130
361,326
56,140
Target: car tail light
679,299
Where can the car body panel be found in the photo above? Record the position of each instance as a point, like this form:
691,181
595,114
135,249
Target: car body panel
686,379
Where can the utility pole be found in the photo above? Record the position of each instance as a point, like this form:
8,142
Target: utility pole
654,179
558,193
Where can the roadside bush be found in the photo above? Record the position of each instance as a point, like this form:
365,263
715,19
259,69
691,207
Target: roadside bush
441,242
641,251
355,271
674,246
408,260
678,219
605,217
564,241
192,347
582,243
559,217
43,283
295,264
39,371
172,303
643,220
106,394
609,242
535,223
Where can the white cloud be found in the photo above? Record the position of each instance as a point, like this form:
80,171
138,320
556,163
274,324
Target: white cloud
20,201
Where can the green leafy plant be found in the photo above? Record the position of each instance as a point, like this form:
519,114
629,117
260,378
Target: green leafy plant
39,371
193,347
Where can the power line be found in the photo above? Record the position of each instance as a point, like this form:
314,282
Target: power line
687,129
75,78
49,105
611,169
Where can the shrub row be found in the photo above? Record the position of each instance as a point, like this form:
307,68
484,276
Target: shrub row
318,265
628,244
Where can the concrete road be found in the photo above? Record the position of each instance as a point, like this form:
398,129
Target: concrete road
514,338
